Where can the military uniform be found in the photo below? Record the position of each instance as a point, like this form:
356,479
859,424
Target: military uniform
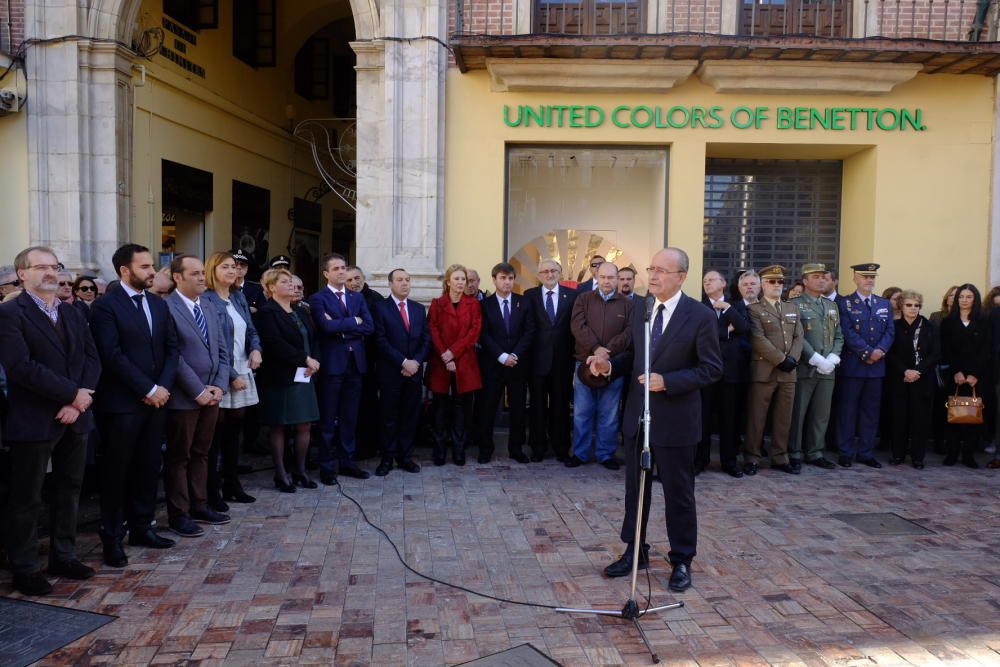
775,335
867,327
822,343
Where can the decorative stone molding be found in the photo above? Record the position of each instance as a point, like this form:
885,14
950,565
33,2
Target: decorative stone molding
585,75
752,76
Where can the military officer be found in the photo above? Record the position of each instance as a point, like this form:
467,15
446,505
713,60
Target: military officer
822,342
866,320
776,343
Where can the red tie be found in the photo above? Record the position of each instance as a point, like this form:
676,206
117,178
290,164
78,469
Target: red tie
406,318
343,304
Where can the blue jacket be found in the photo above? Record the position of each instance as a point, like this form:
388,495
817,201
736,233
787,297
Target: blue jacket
239,301
340,335
865,330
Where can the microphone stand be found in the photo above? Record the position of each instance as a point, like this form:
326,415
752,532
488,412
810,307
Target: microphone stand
631,611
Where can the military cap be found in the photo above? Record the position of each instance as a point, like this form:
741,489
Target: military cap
814,267
239,256
867,269
282,261
773,271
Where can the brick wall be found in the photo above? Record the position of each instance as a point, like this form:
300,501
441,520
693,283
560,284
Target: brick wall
11,38
483,17
951,20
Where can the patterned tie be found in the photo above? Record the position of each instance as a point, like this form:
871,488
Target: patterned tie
402,312
199,319
550,307
343,301
506,315
654,335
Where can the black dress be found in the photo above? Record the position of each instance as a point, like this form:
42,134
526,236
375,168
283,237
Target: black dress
286,340
966,348
915,347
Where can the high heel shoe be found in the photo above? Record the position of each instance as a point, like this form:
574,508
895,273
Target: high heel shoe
236,494
303,481
283,486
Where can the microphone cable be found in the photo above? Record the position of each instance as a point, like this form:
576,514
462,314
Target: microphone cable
399,556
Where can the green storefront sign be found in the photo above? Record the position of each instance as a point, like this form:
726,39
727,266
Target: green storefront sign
864,119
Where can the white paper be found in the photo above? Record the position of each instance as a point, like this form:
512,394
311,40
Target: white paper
300,375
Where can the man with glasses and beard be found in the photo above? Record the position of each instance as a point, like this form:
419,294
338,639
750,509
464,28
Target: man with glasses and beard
591,285
137,343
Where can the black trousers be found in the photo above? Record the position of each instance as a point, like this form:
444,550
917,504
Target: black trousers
910,409
676,467
28,461
550,421
449,413
494,383
400,411
722,404
130,468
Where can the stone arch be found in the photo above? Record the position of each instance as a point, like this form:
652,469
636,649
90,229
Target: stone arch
111,19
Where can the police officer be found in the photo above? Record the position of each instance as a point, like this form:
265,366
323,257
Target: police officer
866,320
822,342
776,342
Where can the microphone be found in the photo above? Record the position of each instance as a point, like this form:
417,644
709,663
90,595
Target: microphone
650,302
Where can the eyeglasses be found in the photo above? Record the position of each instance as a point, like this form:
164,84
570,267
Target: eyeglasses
12,283
85,288
912,305
46,267
594,265
63,283
657,271
773,281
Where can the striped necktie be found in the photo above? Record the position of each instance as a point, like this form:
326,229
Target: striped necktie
199,319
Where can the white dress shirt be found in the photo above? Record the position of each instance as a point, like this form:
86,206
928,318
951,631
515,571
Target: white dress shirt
670,306
145,310
510,309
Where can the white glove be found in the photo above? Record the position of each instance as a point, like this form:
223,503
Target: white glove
833,359
816,359
825,367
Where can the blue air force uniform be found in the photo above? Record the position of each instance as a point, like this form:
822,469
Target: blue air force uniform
868,326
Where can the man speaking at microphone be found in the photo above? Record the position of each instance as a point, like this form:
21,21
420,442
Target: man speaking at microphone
684,358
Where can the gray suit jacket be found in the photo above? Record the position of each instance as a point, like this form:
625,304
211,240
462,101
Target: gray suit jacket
199,364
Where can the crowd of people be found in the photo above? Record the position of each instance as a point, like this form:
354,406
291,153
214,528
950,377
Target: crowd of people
173,372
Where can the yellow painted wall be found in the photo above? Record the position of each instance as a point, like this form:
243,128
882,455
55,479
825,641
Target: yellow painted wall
916,202
14,226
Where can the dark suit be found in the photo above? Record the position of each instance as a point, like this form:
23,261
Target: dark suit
588,285
722,401
400,396
47,363
134,360
687,355
342,365
496,339
551,372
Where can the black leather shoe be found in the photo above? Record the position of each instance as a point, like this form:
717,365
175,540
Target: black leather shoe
699,469
112,552
383,469
185,527
458,459
218,504
573,462
612,464
786,467
70,569
562,458
283,486
328,479
408,465
733,471
236,494
537,458
303,481
352,470
209,516
483,458
520,457
895,461
871,463
844,461
796,466
32,584
623,566
969,461
149,538
919,465
680,578
750,469
823,463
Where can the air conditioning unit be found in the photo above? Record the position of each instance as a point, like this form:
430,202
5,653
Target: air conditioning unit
11,101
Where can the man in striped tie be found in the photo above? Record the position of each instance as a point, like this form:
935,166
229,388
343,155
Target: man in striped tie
193,408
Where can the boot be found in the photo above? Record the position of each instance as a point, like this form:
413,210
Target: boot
112,550
968,458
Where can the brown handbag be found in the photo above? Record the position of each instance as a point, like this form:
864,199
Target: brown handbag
964,409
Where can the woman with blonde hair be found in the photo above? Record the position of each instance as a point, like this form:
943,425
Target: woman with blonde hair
288,340
244,351
455,320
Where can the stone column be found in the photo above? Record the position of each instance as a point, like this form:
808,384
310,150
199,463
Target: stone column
994,268
400,221
79,139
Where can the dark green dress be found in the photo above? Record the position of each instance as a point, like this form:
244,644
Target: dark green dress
290,404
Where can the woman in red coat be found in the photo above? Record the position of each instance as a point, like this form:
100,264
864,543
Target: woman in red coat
452,369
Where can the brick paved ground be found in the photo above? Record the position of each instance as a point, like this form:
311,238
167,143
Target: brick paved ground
298,579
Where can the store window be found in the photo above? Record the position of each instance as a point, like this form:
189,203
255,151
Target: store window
763,212
312,69
573,202
590,17
196,14
252,225
254,29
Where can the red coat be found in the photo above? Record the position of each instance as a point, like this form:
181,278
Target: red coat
456,330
